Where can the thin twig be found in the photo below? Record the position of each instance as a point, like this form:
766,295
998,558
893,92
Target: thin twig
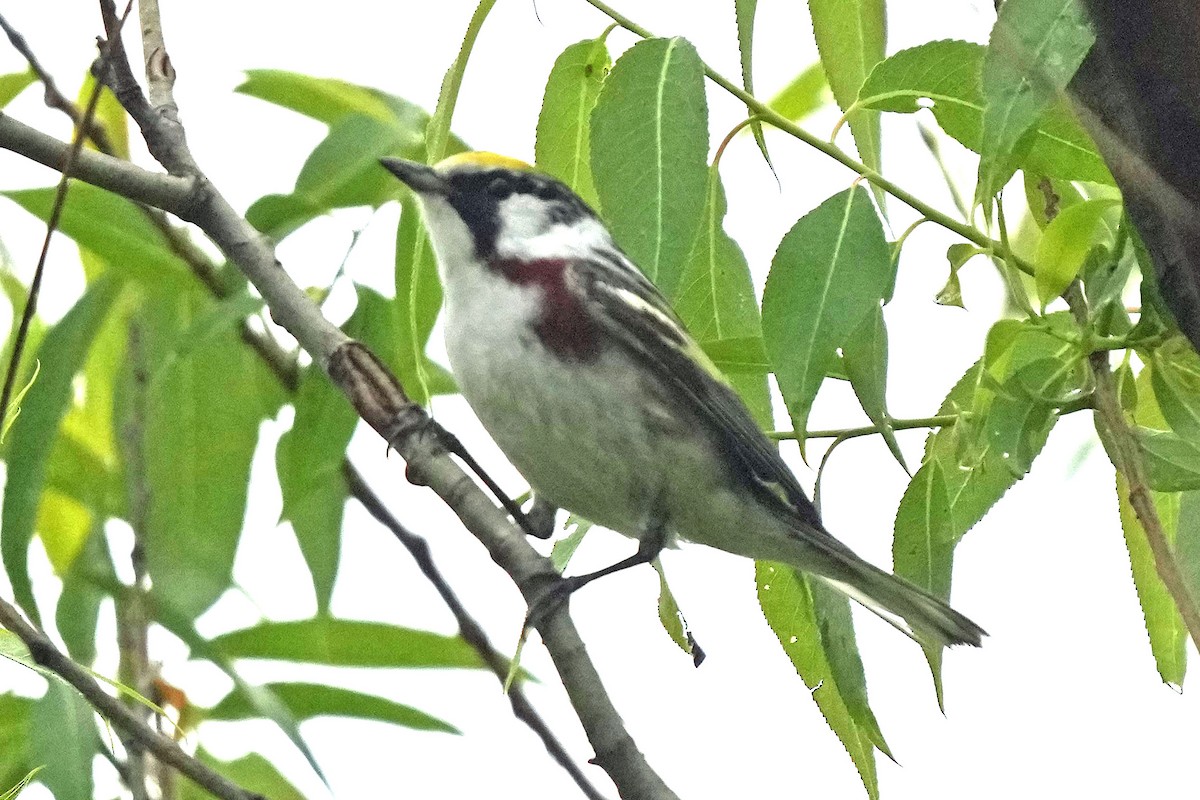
55,98
165,749
939,421
60,199
468,628
133,620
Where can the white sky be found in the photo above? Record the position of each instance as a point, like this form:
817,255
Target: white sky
1062,699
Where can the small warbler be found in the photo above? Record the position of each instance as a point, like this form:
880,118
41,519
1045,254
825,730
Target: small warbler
579,369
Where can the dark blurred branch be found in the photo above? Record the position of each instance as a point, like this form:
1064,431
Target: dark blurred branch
1138,94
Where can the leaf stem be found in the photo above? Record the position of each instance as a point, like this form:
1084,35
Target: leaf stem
1083,403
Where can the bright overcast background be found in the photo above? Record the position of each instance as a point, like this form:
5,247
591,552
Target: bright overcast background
1063,699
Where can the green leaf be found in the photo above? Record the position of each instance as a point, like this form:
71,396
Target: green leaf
1023,412
1187,541
1066,241
18,396
958,255
852,38
265,702
923,547
976,477
564,549
78,607
404,328
831,268
437,133
1172,462
203,406
807,92
62,355
411,315
63,736
948,74
342,172
329,100
15,714
716,293
865,358
1168,635
810,629
740,355
1175,377
716,299
960,479
310,456
308,700
1034,50
13,84
251,772
309,462
111,227
649,155
744,11
347,643
563,144
672,618
110,115
398,330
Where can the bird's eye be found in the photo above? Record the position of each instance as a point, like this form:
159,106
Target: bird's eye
499,188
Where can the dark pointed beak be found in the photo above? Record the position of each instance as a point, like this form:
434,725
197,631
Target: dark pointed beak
421,178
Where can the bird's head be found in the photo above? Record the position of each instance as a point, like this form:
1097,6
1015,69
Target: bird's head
483,206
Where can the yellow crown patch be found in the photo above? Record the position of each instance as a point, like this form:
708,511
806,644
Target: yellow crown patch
483,159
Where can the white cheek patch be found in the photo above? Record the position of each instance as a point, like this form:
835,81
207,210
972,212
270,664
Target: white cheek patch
526,232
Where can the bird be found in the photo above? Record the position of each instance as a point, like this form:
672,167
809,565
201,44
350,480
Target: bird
591,385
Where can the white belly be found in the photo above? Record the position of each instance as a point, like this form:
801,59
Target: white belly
578,432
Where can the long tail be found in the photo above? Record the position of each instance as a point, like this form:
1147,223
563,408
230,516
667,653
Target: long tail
916,612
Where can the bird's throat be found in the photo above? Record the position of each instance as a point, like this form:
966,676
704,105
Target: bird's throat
563,327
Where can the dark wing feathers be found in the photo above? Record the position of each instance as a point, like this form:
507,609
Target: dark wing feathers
632,311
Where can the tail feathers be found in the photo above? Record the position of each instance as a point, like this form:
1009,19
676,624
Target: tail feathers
916,613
